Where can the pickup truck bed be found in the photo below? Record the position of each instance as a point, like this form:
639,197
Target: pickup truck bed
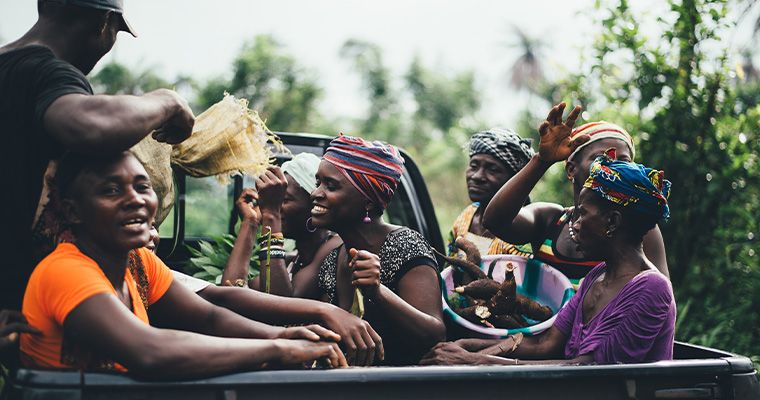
697,373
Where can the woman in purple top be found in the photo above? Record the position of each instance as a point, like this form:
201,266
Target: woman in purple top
624,311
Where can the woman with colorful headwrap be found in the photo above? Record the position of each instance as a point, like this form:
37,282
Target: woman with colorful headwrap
495,156
393,266
285,205
624,311
547,226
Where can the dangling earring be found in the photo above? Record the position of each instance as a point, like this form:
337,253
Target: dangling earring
608,233
367,219
310,227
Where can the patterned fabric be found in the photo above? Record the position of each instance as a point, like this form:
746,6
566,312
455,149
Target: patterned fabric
374,168
303,168
574,268
602,130
400,248
627,184
503,144
493,245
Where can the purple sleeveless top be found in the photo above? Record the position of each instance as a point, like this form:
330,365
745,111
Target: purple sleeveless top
638,325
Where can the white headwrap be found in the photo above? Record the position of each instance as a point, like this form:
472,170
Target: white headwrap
303,168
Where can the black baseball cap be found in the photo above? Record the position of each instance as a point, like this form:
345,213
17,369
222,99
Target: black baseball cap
116,6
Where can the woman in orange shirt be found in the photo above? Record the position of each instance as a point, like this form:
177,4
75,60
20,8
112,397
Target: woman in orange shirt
85,300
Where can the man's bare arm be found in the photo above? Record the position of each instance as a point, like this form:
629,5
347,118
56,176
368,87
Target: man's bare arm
103,123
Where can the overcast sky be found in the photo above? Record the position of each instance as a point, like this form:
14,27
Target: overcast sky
201,38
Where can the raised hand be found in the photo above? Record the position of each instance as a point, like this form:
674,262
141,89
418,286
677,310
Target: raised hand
555,143
365,271
11,324
298,352
247,205
271,186
361,343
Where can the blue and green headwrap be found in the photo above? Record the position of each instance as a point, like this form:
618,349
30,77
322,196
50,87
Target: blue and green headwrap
630,185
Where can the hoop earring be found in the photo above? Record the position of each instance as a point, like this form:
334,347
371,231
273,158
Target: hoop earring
310,227
367,219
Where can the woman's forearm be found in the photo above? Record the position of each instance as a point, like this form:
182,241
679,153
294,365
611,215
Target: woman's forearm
271,309
418,326
190,355
279,283
500,215
240,256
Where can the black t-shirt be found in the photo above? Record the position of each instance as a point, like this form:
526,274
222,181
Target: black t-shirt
31,78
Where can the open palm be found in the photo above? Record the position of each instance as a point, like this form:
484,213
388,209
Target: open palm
555,142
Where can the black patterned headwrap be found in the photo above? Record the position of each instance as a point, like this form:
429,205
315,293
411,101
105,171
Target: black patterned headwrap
505,145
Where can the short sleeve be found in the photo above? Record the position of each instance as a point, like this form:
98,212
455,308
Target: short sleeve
566,316
159,275
56,78
402,251
60,293
628,335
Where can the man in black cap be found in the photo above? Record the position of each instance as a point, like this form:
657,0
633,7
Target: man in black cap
47,107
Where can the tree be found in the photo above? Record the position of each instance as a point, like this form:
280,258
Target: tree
116,78
680,102
527,72
285,94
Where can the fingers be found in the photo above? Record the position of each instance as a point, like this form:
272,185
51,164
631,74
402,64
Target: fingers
371,349
324,333
337,360
543,128
555,114
277,172
249,195
379,347
303,333
361,350
570,121
579,141
351,348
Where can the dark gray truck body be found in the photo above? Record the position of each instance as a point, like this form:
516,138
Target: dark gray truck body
695,373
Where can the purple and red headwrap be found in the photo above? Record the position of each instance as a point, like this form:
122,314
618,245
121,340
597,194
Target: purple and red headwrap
374,168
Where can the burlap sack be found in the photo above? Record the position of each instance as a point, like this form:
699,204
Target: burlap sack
156,157
227,139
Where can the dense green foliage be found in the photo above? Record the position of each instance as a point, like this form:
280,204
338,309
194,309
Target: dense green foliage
690,114
694,120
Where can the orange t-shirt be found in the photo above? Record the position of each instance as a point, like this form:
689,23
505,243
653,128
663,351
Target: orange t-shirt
62,281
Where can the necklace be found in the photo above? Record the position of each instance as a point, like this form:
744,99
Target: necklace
570,226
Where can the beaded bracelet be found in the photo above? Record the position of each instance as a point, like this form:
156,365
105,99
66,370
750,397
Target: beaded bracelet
273,242
272,254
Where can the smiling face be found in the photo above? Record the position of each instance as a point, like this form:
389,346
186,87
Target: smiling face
296,209
485,175
336,202
591,224
112,206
